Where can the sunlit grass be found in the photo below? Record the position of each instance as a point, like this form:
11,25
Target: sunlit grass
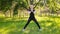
50,25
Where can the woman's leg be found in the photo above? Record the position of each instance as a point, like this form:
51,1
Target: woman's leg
36,22
27,23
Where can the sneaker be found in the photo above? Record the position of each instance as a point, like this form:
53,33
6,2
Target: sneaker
40,29
23,30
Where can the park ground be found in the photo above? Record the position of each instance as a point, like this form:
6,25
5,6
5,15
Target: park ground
49,25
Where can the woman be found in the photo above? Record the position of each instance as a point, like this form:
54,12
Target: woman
32,17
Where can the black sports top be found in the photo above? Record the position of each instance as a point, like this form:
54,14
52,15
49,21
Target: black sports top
31,13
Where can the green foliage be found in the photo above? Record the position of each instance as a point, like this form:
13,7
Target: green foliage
41,4
53,5
15,9
21,4
5,4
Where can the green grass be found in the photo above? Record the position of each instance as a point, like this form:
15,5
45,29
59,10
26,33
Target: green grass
50,25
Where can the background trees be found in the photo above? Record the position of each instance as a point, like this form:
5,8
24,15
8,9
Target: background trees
12,7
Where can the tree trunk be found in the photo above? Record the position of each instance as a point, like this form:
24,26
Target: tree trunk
11,13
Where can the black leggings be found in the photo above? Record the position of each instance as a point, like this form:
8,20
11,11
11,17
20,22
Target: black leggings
33,20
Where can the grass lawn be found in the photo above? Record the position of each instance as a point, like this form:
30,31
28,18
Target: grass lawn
49,25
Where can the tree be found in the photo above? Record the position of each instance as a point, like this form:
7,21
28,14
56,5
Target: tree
5,5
